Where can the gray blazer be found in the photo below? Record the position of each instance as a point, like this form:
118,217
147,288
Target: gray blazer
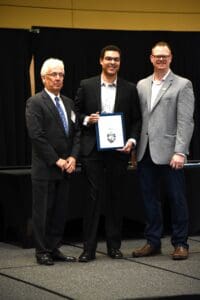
168,127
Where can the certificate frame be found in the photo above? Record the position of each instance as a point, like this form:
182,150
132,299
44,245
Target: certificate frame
110,131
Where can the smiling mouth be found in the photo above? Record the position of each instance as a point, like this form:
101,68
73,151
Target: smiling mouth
112,67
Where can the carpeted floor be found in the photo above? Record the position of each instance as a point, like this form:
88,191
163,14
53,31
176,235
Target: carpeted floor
157,277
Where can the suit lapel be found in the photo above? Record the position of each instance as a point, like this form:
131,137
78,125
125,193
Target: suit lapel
119,93
97,92
149,91
164,88
49,103
53,110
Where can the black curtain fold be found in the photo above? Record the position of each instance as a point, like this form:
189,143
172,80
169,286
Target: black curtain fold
15,53
80,49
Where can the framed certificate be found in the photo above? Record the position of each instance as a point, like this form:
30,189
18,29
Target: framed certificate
110,131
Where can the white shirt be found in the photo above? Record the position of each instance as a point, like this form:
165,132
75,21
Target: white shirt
156,86
108,95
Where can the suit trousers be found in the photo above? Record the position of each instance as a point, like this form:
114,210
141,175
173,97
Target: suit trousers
149,178
105,172
49,213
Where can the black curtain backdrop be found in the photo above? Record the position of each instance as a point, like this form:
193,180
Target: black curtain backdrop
15,53
79,49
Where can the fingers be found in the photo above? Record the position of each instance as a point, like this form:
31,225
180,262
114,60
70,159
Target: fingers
177,162
127,148
93,118
177,165
70,166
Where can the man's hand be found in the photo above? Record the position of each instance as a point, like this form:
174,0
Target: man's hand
127,148
61,164
177,161
70,164
93,118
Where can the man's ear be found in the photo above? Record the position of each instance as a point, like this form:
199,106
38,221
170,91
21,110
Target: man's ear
43,79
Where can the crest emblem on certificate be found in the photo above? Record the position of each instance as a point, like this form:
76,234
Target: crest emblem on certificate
111,136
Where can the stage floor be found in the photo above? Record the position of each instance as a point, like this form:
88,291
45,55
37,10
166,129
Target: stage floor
157,277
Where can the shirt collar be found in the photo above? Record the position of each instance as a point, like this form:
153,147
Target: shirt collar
104,83
163,79
51,94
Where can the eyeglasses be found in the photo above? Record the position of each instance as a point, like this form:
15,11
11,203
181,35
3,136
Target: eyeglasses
55,74
109,58
160,56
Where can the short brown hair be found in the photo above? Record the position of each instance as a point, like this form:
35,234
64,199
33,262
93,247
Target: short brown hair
163,44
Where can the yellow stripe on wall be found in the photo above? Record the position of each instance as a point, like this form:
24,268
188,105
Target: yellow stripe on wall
172,15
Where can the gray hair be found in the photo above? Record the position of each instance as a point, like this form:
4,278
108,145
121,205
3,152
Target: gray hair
51,63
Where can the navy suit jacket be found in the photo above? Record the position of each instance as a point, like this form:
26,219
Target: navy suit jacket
49,140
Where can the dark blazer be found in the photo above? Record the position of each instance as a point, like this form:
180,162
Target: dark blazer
49,141
88,100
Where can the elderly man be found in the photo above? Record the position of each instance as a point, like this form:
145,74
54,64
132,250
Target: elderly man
54,133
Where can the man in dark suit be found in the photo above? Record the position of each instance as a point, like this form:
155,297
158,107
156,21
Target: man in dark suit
167,102
55,137
108,94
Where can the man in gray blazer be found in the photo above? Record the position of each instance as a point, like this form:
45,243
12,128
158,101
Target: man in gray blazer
55,138
167,104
